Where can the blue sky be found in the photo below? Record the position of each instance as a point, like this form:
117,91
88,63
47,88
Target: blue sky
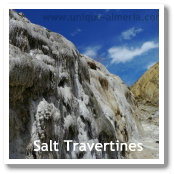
125,41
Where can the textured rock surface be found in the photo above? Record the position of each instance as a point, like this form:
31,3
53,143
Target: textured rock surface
56,93
147,86
146,92
149,119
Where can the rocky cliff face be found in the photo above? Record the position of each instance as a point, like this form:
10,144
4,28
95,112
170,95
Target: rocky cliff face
146,92
56,93
147,87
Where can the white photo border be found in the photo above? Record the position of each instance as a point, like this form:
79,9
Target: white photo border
84,161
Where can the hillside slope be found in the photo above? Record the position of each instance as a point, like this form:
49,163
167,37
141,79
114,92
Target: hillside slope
146,92
147,86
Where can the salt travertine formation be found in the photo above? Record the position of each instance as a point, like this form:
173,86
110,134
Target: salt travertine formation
56,93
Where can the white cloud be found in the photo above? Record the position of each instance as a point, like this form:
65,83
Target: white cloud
130,33
150,65
92,51
124,54
76,32
99,16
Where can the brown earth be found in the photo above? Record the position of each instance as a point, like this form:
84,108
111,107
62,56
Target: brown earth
147,86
